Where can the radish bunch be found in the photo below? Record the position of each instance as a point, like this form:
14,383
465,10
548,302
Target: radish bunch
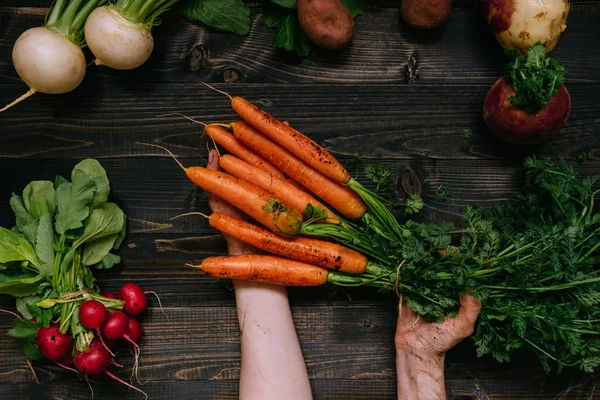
109,325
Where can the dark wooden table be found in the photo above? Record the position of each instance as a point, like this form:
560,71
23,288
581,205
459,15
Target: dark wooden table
399,97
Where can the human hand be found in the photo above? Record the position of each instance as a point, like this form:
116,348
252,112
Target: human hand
216,204
417,336
421,347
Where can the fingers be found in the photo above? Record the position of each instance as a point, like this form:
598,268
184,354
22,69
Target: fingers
463,324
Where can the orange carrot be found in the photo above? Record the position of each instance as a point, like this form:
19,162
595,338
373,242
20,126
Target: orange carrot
232,145
340,197
250,199
303,147
262,268
284,191
309,250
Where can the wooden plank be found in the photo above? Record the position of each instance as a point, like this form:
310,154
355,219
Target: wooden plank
152,190
348,343
322,390
462,52
379,121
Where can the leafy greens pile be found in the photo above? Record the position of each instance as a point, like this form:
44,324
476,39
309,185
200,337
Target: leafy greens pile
536,78
234,16
534,263
62,230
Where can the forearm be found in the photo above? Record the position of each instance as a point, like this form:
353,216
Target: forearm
272,363
420,377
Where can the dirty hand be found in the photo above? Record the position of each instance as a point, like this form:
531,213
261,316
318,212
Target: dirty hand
421,347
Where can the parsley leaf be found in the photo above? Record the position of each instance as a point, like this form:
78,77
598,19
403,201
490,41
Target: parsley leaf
380,176
443,193
225,15
536,78
468,133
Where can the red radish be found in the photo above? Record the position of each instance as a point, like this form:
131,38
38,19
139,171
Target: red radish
134,299
95,361
53,344
66,360
135,330
93,315
116,326
108,295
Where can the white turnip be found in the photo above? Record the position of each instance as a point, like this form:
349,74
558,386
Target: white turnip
119,34
49,58
519,24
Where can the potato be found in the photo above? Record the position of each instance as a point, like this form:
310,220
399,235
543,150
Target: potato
519,24
426,14
328,23
514,125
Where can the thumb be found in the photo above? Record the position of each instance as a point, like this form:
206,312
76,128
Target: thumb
464,322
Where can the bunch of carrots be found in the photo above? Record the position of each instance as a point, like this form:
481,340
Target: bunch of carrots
533,263
275,175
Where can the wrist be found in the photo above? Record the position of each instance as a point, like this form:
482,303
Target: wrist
420,374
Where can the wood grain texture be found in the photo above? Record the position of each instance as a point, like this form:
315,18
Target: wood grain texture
462,52
376,120
359,100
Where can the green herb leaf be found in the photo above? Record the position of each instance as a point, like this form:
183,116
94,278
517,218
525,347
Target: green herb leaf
44,247
122,234
225,15
468,133
59,180
536,78
15,248
31,351
24,330
26,224
73,201
39,190
106,220
286,3
94,252
443,193
288,33
19,285
27,307
355,7
94,170
380,176
109,261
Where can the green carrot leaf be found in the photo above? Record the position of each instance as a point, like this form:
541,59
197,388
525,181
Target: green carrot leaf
73,202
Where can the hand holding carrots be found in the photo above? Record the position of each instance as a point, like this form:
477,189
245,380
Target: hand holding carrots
216,204
418,336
